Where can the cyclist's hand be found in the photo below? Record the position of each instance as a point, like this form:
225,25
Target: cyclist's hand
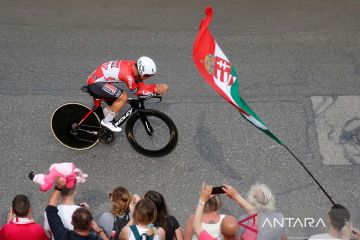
161,88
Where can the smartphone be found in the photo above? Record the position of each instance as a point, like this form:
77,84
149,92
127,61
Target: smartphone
217,190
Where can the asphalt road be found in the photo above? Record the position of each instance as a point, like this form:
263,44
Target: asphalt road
289,54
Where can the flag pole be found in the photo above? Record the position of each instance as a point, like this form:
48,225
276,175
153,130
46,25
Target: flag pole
307,170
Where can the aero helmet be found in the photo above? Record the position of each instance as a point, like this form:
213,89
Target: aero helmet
146,66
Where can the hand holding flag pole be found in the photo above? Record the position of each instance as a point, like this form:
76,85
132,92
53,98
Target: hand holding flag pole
217,70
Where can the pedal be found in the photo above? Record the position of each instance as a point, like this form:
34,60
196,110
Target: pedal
106,136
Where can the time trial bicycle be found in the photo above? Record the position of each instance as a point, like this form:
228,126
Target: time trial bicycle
150,132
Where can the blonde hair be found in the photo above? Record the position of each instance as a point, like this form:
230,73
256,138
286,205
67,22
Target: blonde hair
261,198
121,199
213,204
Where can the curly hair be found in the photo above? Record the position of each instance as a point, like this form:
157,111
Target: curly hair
121,199
261,198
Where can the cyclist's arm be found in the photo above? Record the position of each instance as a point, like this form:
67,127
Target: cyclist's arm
145,89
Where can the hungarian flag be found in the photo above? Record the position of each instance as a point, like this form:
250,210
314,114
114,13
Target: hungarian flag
217,70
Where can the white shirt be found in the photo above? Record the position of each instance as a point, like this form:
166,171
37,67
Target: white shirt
65,212
212,228
324,236
141,230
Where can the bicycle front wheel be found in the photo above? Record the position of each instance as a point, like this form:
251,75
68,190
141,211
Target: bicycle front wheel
151,133
64,126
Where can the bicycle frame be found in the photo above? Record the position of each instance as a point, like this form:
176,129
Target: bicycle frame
135,105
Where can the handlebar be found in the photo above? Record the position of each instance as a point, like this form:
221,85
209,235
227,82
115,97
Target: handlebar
150,96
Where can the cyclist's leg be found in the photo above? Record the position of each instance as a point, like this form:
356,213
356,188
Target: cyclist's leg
119,103
110,92
111,111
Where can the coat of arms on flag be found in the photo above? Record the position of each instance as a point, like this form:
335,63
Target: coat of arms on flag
219,68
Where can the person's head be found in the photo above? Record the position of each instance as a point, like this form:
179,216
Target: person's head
161,208
81,219
68,192
145,212
21,205
146,67
159,201
229,227
213,204
338,215
261,198
120,198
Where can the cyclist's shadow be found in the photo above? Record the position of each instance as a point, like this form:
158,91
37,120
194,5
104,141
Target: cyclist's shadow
211,151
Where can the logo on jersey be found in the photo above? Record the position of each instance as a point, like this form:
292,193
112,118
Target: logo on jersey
146,92
130,81
109,78
109,89
105,65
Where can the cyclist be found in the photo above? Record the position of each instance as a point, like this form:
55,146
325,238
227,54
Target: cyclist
132,73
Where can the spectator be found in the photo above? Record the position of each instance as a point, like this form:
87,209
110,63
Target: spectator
339,228
144,216
168,222
211,220
349,232
120,201
20,224
82,220
229,225
65,210
260,201
356,233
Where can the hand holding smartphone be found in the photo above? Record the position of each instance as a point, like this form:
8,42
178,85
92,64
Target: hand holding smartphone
217,190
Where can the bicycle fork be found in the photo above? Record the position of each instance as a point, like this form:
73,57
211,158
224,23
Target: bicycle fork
145,121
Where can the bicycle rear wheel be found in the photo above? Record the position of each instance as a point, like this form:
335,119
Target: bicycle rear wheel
151,133
64,126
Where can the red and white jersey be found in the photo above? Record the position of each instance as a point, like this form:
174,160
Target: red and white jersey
118,71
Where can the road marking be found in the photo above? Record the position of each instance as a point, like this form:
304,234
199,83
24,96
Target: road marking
337,121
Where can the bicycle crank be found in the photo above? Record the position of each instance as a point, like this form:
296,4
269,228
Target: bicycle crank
106,136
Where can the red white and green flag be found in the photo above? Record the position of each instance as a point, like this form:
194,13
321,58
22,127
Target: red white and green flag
217,70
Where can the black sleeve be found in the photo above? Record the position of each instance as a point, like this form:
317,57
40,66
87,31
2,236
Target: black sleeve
56,226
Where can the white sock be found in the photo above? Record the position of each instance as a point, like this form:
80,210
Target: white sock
109,116
106,111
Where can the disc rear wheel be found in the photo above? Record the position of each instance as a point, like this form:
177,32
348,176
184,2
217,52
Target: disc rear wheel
64,125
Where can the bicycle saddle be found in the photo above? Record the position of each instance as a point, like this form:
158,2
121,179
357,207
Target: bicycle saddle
85,88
